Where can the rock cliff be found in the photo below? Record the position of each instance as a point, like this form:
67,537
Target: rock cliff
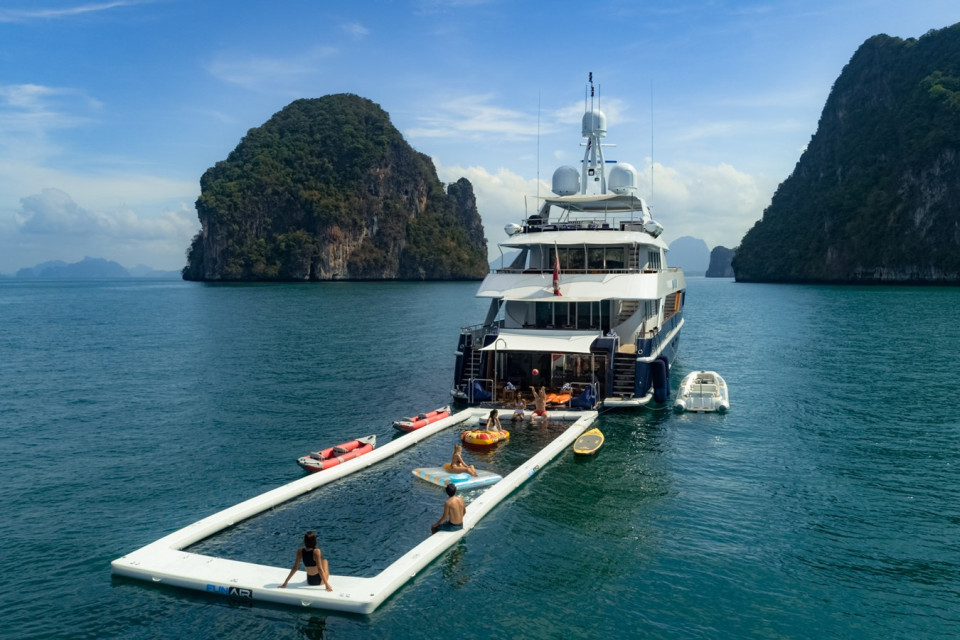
721,265
328,189
875,197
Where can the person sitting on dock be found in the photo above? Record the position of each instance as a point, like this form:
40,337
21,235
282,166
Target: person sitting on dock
518,408
457,465
493,421
539,402
313,561
453,511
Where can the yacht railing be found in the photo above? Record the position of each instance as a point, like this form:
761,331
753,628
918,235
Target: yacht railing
604,222
486,384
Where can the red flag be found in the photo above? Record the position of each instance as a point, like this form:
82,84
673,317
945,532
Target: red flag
556,271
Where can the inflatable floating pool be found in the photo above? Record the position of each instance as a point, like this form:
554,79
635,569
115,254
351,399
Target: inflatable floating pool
441,477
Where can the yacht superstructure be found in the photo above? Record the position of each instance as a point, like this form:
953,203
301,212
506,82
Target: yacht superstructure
587,302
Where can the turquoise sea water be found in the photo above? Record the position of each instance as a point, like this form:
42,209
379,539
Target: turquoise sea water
825,504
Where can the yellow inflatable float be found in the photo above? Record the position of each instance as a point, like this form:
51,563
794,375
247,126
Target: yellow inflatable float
484,438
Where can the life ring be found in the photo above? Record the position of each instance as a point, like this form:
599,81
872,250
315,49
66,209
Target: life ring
484,438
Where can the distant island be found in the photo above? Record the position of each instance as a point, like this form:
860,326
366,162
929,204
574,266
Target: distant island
696,259
328,189
874,197
91,268
721,263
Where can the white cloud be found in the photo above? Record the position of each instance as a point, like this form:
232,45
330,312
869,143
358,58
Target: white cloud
355,30
266,74
51,225
715,203
36,109
25,15
473,117
53,212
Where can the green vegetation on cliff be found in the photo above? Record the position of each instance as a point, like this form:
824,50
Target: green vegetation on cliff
329,189
876,195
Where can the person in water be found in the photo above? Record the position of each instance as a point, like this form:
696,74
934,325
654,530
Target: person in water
493,421
539,402
457,465
453,511
519,408
318,570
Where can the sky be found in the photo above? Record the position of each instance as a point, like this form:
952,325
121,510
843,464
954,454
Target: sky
111,110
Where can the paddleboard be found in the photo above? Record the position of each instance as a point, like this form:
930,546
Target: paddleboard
588,443
441,477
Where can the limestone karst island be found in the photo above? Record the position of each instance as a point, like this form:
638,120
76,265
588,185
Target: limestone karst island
875,197
328,189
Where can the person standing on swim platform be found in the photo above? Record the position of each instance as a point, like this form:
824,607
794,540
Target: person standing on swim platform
318,569
453,511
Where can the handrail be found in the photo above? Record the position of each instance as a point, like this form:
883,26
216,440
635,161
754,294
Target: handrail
493,390
566,271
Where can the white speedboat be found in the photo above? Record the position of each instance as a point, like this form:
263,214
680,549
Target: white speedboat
703,391
587,301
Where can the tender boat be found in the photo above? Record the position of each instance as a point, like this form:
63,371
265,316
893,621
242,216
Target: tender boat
703,391
422,420
326,458
586,298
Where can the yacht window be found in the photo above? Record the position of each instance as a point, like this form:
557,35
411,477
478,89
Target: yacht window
561,314
595,258
562,253
614,257
653,260
576,258
544,314
588,315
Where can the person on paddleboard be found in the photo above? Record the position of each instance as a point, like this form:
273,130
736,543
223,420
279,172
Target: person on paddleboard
318,569
453,511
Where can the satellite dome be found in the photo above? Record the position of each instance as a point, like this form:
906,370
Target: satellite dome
623,179
594,122
566,181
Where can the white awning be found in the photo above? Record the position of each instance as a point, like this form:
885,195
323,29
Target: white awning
544,340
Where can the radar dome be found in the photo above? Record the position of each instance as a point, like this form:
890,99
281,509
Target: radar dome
566,181
594,122
623,179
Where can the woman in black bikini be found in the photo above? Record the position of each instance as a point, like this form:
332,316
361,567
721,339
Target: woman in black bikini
318,570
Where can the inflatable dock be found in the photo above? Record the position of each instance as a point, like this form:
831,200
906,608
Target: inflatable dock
165,562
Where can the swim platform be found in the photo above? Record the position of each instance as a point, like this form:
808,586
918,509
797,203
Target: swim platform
164,561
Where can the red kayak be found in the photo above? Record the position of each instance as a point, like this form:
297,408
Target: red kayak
320,460
422,420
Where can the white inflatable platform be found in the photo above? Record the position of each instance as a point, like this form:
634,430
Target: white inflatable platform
164,561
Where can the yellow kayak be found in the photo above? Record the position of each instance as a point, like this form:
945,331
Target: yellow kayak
588,443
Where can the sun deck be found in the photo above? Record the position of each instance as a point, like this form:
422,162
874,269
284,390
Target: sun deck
165,562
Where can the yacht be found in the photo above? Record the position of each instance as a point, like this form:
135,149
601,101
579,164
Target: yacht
587,307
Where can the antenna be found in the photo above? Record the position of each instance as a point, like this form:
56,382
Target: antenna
591,90
651,140
538,145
